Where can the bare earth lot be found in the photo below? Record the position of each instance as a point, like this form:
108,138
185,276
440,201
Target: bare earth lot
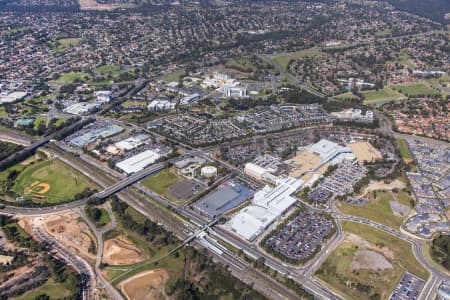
148,285
120,251
73,233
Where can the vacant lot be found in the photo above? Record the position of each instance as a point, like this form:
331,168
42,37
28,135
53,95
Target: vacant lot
161,182
284,59
382,95
368,263
120,251
73,233
364,151
379,207
147,285
414,89
50,181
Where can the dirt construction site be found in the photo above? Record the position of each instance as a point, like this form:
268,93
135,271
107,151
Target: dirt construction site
120,251
148,285
73,233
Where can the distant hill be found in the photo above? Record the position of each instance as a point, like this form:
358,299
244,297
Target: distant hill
433,9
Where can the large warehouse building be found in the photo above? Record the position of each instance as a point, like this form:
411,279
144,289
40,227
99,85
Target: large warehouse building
229,195
138,162
268,204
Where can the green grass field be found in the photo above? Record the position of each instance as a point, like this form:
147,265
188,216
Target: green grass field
51,288
284,59
38,121
104,219
414,89
344,96
383,32
108,69
161,182
404,150
65,44
361,283
64,182
403,59
378,208
73,76
385,94
173,77
241,65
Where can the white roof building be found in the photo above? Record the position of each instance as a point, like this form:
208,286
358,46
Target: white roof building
138,162
190,99
331,151
81,108
12,97
268,204
103,96
161,105
132,142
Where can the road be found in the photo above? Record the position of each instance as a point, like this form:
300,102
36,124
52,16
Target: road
101,281
80,265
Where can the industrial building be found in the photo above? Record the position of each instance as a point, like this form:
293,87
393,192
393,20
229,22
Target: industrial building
229,195
91,134
138,162
268,204
132,142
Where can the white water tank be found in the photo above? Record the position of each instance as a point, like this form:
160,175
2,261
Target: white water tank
209,171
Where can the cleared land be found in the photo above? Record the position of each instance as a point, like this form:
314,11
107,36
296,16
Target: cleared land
284,59
384,207
147,285
364,151
50,181
120,251
368,263
382,95
73,233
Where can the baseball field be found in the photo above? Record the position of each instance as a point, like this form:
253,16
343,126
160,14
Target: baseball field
50,181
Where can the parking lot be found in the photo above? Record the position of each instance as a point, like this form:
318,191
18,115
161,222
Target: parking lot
301,236
408,288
